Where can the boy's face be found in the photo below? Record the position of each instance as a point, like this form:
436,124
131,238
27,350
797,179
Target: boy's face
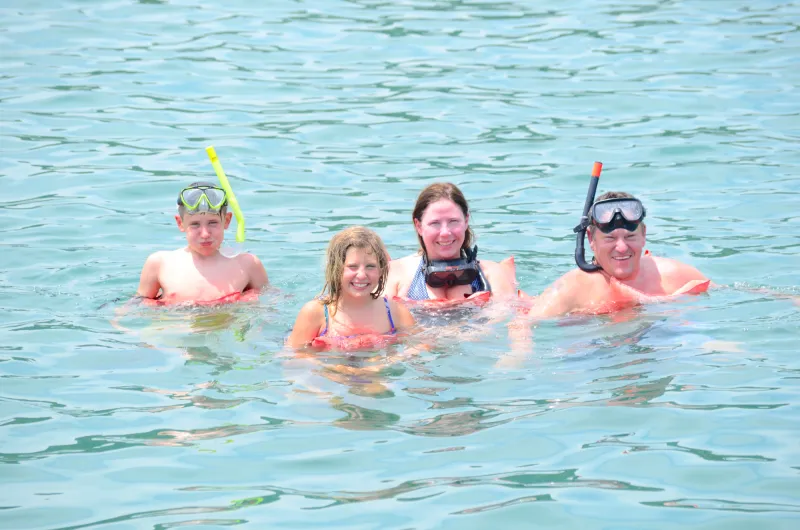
204,231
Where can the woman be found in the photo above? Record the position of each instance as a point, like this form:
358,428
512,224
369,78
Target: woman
446,266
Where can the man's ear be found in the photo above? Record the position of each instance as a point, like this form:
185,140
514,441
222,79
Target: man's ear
228,217
179,222
590,236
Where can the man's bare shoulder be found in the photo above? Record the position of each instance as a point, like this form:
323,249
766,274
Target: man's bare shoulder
576,279
676,271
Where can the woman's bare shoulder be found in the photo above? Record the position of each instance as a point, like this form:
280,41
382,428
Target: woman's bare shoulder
406,262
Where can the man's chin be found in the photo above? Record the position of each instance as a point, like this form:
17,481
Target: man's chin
623,271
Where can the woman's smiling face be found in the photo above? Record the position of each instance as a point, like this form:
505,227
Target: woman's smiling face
443,227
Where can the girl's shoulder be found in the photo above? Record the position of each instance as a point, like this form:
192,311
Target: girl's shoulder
313,308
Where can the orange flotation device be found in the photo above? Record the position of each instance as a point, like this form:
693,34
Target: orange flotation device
694,287
250,295
368,341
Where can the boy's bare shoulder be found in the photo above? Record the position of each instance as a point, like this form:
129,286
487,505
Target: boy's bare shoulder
245,258
257,274
157,258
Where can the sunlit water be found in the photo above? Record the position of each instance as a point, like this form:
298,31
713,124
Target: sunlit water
332,113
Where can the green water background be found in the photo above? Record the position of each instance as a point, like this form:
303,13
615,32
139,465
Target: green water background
334,113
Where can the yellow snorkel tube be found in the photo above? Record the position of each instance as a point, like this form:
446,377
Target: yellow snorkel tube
232,202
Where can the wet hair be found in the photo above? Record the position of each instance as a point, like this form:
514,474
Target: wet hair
182,209
611,195
357,237
614,195
436,192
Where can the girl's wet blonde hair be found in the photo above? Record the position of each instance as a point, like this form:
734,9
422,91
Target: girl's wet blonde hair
354,237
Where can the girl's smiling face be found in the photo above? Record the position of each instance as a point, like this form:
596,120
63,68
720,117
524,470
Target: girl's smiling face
361,274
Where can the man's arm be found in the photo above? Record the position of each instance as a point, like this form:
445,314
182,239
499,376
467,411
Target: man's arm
148,281
560,298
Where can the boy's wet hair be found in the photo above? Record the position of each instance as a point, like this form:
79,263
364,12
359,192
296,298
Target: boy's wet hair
182,209
357,237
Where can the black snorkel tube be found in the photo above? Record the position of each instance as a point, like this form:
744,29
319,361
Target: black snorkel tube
580,257
474,256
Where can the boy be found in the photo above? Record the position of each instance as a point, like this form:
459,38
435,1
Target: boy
198,272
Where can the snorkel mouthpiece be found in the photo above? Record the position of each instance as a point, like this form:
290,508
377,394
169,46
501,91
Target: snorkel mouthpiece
580,255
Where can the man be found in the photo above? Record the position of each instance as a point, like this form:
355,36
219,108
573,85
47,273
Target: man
628,274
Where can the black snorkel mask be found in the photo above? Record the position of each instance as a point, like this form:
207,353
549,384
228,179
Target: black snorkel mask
452,272
610,214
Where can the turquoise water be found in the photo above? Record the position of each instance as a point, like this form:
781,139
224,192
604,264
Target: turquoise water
332,113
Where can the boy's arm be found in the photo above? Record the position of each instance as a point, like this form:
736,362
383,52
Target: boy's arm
148,281
257,275
306,325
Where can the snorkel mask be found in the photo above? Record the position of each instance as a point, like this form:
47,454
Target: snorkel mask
610,214
202,198
452,272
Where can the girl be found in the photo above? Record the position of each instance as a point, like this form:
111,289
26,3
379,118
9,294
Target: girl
350,312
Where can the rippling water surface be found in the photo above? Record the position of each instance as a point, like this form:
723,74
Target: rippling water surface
332,113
